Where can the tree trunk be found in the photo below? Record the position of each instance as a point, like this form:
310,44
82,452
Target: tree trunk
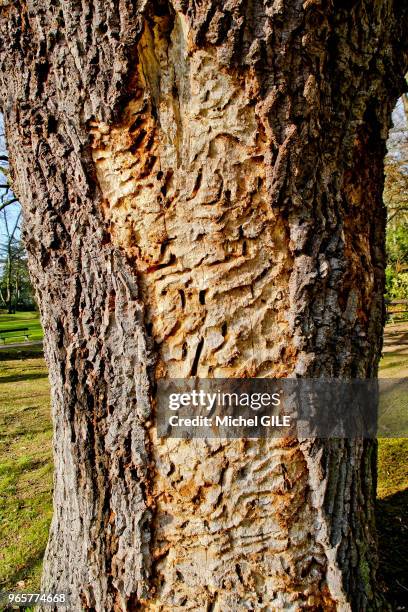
9,285
202,191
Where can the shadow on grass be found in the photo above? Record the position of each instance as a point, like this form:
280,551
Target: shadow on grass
22,574
21,353
392,526
22,377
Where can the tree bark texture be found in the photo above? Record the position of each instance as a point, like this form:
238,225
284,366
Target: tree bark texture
202,193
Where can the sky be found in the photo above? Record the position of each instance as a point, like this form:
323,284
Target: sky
399,132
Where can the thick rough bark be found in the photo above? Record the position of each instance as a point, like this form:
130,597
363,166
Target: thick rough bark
201,184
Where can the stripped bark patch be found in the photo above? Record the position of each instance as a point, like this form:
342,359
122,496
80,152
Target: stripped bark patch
184,181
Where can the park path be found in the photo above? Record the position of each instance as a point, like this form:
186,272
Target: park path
394,363
396,338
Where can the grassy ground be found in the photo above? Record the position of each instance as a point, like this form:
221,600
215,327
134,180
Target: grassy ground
26,473
392,488
25,470
392,520
31,320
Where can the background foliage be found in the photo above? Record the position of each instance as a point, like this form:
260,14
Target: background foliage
396,200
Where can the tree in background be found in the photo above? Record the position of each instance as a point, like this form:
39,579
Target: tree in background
15,284
202,190
396,200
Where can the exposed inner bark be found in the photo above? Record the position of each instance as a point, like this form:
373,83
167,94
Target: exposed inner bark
183,178
202,193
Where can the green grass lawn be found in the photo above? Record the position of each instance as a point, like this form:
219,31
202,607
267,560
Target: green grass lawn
25,471
26,477
31,320
392,520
